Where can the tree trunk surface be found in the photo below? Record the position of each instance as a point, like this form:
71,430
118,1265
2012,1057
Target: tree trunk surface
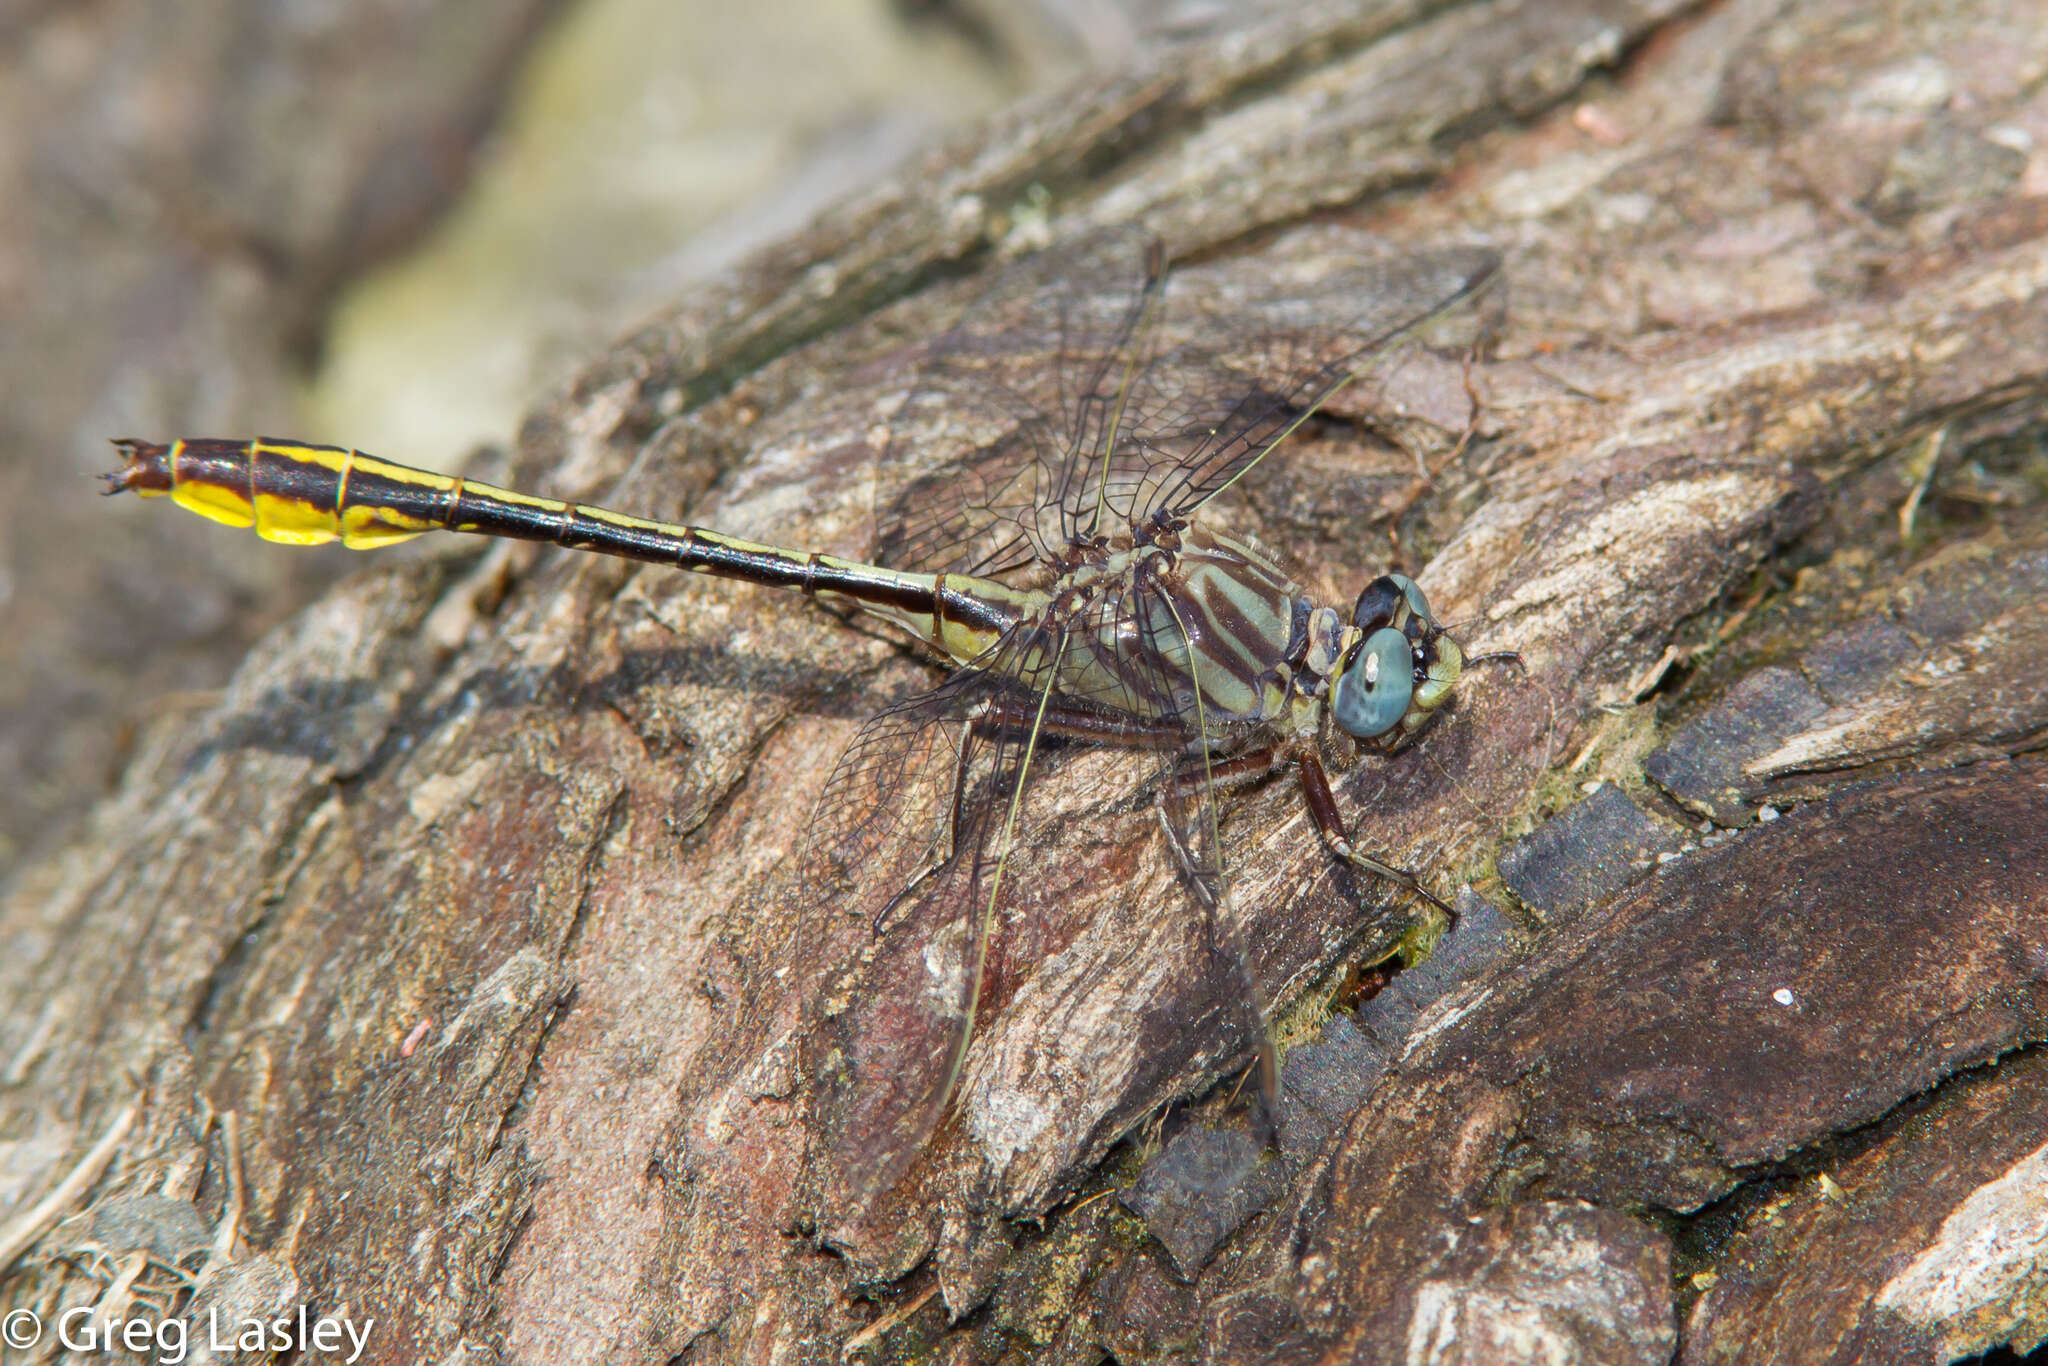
442,974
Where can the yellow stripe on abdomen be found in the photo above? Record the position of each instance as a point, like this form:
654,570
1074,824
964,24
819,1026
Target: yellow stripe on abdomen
215,503
198,491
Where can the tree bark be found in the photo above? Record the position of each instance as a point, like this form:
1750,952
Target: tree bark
468,901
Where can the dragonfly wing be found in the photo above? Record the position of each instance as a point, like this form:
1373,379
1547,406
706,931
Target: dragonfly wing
980,515
1189,813
901,893
1029,375
1091,392
1217,401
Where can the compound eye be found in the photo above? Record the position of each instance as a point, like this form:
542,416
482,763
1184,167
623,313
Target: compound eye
1417,603
1372,695
1377,604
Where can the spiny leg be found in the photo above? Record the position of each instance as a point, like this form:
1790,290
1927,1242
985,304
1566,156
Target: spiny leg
1329,822
1015,718
1226,945
1012,717
1238,769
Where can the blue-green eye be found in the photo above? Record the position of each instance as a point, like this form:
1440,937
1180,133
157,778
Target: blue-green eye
1376,605
1417,604
1372,695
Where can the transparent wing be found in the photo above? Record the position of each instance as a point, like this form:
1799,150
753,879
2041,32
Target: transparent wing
1213,405
1090,391
1030,376
901,888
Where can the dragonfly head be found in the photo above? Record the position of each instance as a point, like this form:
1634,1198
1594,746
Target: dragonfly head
1402,667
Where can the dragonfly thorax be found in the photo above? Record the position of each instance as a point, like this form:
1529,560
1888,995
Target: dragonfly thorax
1196,628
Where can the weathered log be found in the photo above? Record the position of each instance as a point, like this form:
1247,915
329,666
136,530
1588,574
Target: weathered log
468,901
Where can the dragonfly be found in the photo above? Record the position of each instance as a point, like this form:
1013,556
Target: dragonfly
1060,566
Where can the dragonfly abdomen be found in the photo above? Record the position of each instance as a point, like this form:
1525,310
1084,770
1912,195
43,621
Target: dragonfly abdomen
296,493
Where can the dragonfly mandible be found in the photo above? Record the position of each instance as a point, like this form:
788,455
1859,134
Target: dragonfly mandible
1062,568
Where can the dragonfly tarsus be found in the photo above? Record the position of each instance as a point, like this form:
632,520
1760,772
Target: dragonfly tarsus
1329,823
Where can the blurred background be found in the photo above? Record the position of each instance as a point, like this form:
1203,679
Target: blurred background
387,224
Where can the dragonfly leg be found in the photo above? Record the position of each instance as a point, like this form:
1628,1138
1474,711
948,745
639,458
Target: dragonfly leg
954,824
1322,809
1211,891
1010,718
1014,718
1235,771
